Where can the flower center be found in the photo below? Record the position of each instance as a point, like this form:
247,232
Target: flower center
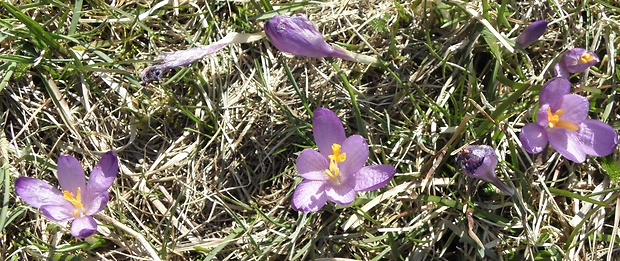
586,58
554,120
76,200
334,172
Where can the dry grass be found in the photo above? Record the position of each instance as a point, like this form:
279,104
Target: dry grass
207,155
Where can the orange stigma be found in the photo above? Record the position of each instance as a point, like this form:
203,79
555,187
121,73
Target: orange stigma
76,200
554,120
586,58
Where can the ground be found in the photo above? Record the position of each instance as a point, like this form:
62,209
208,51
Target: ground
207,154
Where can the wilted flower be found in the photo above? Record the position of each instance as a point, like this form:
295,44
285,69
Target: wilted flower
480,161
171,60
78,201
299,36
168,61
575,60
562,121
338,171
531,33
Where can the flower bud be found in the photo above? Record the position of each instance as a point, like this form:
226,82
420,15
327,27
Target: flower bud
479,161
531,33
168,61
299,36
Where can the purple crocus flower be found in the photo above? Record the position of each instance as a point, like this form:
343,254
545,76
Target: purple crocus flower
480,161
297,35
575,60
531,33
337,172
562,121
78,201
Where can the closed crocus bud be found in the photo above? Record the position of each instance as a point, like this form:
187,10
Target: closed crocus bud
297,35
531,33
479,161
575,60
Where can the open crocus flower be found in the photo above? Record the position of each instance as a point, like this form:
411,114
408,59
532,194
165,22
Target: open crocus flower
562,121
480,161
337,172
531,33
297,35
78,201
575,60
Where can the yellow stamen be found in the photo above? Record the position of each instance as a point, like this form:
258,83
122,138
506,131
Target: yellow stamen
336,154
554,120
334,172
76,200
586,58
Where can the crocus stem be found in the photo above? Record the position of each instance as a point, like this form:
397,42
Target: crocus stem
503,187
356,57
356,109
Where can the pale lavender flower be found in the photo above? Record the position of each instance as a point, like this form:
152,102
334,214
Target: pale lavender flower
78,201
562,121
299,36
337,171
531,33
171,60
575,60
168,61
480,161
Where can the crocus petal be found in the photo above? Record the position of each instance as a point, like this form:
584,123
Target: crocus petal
486,169
309,196
373,177
542,115
62,212
342,194
533,137
312,165
575,108
83,227
567,143
577,60
298,36
103,174
327,129
553,90
70,174
95,202
531,33
598,138
559,70
356,151
37,193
